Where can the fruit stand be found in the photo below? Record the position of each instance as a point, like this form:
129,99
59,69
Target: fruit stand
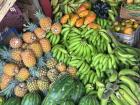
82,53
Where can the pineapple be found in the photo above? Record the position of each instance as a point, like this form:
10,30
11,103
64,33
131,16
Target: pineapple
72,71
28,58
46,45
5,79
37,49
20,90
23,74
16,55
51,63
15,42
56,28
43,84
61,67
44,22
29,37
52,74
11,69
39,32
24,46
42,73
32,84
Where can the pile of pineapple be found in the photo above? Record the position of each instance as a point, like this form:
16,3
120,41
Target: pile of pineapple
27,64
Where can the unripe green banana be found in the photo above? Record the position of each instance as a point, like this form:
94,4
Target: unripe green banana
128,91
128,72
127,97
129,82
115,100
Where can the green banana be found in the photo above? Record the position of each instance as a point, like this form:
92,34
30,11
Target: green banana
128,72
115,100
129,82
128,98
129,92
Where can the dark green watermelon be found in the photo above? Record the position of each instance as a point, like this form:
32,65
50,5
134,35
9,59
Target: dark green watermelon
78,92
89,100
31,99
13,101
60,90
67,103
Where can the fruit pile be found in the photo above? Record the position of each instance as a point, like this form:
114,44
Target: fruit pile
74,61
27,64
125,26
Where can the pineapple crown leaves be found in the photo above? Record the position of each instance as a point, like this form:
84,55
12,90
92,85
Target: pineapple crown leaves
5,54
41,62
48,56
29,27
39,14
9,90
34,71
2,63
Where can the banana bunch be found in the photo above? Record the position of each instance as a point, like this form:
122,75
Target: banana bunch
104,23
112,15
126,92
100,39
66,29
61,7
54,39
86,75
127,56
60,53
103,62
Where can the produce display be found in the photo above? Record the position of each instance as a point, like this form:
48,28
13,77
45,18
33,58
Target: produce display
73,59
125,26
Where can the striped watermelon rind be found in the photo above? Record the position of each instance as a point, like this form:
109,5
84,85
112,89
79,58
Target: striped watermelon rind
31,99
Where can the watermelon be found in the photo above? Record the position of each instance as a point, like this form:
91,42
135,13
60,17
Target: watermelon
31,99
78,92
60,90
67,103
13,101
89,100
2,101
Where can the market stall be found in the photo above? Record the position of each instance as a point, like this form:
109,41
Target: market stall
81,52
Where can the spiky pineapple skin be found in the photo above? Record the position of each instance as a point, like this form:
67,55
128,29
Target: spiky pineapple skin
5,79
28,37
45,23
56,28
61,67
72,71
11,69
43,84
46,45
16,55
15,42
23,74
20,90
42,73
28,58
37,49
40,33
32,85
51,63
52,74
